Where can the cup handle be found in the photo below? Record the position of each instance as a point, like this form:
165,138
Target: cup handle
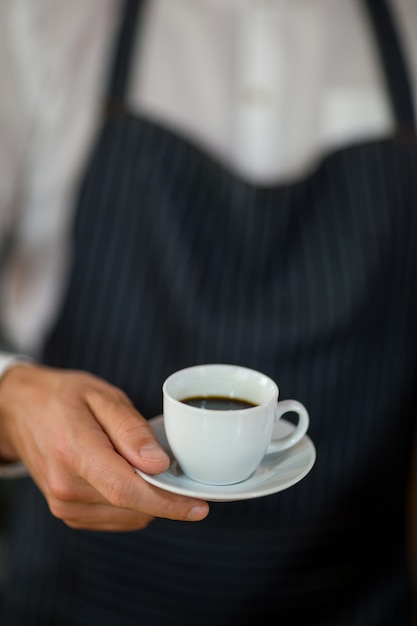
286,406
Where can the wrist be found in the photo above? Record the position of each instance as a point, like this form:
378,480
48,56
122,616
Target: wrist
9,389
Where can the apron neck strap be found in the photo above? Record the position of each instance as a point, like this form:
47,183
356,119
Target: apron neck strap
118,79
397,76
392,57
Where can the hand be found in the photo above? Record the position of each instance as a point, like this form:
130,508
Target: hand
79,437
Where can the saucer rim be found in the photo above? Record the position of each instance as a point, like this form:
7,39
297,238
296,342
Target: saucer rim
230,493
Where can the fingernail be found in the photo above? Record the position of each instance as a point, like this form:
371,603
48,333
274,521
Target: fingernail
153,452
197,513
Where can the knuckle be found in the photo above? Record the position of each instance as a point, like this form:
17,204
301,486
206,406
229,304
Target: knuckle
117,494
170,510
65,450
58,508
75,524
60,490
125,429
110,393
140,523
119,397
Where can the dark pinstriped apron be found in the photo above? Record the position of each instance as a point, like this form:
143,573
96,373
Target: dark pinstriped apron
180,262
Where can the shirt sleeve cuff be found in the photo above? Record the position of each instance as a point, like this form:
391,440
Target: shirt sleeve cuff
13,470
7,361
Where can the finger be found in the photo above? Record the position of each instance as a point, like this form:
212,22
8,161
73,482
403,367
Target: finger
102,517
129,432
115,479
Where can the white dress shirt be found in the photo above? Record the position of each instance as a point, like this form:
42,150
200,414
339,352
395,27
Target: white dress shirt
267,87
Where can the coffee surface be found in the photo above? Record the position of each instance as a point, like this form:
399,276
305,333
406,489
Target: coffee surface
218,403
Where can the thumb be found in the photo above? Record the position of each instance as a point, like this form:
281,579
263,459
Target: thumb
128,430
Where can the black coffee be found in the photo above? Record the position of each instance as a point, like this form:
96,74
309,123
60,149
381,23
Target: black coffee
218,403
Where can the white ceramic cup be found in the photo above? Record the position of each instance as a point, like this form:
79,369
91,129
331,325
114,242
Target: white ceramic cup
222,447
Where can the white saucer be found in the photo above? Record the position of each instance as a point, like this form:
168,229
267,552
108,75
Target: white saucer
277,471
